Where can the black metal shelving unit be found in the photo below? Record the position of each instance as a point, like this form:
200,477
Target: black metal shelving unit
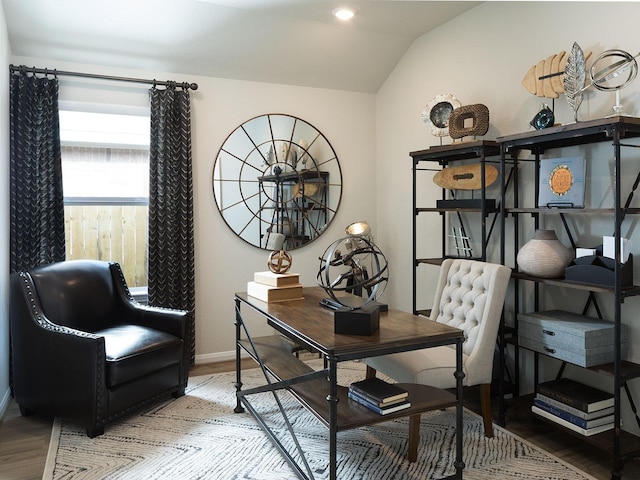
440,157
616,130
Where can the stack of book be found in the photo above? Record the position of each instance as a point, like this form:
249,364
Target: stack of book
275,287
380,396
576,406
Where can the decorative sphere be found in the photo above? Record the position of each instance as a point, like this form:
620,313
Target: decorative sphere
279,261
355,265
607,71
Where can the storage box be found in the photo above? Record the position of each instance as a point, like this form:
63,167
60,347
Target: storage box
581,340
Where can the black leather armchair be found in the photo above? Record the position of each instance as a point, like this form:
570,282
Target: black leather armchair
82,348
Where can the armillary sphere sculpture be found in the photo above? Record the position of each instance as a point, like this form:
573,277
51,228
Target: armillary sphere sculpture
353,264
612,71
279,261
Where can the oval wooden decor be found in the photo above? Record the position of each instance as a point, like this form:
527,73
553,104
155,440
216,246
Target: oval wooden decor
465,177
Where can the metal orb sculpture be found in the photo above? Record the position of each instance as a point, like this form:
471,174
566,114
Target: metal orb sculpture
613,70
353,264
279,261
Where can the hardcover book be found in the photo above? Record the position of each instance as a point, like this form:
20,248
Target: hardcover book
376,403
276,279
378,390
574,411
583,431
381,410
580,422
268,293
562,182
576,394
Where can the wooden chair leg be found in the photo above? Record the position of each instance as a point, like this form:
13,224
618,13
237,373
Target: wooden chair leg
485,407
414,437
371,372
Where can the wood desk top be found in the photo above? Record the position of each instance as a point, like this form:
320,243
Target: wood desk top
307,322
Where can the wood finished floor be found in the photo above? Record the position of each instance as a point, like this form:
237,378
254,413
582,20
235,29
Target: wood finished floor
24,440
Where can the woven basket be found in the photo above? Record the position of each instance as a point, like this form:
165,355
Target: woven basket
478,113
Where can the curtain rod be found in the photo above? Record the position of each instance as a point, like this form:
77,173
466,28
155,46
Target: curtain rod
46,71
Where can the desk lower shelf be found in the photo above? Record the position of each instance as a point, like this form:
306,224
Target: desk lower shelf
276,354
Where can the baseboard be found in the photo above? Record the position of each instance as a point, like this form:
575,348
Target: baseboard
217,357
4,404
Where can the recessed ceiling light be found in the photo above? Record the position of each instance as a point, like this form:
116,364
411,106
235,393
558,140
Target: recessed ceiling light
344,14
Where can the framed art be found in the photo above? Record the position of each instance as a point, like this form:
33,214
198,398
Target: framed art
562,182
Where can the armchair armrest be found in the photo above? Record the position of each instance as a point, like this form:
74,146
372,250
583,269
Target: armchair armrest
168,320
165,319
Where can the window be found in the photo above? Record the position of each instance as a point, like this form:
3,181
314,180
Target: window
105,171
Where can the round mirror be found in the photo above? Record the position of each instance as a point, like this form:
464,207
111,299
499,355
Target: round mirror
277,182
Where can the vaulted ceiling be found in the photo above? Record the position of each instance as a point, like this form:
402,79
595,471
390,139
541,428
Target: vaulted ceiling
294,42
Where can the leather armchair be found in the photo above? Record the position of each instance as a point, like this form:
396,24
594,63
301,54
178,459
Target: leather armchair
82,348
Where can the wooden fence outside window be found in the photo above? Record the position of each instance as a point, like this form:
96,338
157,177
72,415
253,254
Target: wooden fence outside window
111,232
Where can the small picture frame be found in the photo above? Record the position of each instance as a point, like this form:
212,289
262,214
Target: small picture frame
562,182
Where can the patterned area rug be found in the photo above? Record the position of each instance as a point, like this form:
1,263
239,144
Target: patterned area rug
199,437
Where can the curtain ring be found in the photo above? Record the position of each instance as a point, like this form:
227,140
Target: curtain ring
55,73
154,83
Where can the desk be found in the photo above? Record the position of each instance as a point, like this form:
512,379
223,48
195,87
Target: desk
305,323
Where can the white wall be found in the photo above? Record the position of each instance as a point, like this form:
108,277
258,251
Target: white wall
4,218
225,263
481,57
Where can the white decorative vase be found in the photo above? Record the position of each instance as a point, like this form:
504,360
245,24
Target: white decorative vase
544,255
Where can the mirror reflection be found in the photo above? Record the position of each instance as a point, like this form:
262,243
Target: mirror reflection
277,182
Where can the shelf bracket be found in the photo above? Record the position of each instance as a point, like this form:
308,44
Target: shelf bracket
592,300
631,402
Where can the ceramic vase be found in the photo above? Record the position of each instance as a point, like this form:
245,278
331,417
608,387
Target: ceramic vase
544,255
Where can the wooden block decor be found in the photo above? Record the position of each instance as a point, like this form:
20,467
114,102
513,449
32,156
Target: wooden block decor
478,113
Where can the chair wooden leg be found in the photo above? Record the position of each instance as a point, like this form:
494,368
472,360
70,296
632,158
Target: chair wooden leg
371,372
414,437
485,407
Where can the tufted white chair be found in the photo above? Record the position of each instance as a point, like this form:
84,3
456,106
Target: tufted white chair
470,296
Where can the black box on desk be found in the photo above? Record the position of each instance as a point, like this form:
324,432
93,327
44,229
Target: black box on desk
361,321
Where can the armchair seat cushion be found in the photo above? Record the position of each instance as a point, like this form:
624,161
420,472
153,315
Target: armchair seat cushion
432,366
133,351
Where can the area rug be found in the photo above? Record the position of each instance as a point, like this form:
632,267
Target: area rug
198,436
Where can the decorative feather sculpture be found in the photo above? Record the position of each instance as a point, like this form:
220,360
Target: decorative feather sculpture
574,78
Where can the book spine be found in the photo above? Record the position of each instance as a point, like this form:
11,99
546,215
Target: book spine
382,411
375,398
558,412
574,411
583,431
364,402
566,399
562,406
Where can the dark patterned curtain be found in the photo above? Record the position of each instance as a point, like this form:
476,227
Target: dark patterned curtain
36,198
171,251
